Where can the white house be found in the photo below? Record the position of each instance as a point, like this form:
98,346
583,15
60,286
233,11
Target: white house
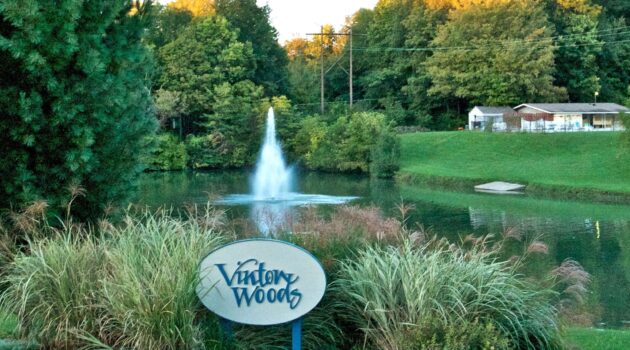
566,116
480,115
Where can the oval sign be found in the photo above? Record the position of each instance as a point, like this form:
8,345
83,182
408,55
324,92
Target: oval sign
261,281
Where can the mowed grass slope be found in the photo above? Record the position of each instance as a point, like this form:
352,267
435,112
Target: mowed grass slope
574,161
597,339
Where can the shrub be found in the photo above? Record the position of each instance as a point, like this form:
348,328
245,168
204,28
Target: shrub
419,297
385,155
348,144
489,126
168,153
624,141
204,151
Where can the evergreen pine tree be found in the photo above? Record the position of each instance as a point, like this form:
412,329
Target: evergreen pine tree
74,103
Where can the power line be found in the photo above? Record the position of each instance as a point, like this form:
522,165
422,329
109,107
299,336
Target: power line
498,43
471,48
321,58
576,36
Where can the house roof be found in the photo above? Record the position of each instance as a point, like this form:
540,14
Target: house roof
595,108
494,110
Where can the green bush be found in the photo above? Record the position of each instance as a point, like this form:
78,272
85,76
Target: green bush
489,126
436,294
348,144
624,141
203,151
385,155
168,153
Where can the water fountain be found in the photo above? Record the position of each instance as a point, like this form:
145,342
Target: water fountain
272,193
272,179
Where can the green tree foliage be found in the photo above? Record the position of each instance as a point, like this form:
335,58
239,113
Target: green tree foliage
167,24
578,45
207,54
348,144
305,64
73,98
615,8
168,153
385,155
614,60
235,121
253,26
211,70
168,105
387,69
303,78
422,25
492,61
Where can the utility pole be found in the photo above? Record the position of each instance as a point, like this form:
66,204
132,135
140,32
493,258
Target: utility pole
321,62
350,70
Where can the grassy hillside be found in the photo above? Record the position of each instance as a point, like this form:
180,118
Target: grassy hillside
570,161
597,339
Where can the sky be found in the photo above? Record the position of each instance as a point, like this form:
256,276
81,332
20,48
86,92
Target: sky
295,18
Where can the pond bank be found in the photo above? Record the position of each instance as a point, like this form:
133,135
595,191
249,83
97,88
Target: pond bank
569,165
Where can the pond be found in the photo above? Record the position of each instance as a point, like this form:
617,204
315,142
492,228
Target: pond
596,235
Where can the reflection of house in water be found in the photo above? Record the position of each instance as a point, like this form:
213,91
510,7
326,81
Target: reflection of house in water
485,220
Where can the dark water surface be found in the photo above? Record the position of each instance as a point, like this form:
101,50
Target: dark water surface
596,235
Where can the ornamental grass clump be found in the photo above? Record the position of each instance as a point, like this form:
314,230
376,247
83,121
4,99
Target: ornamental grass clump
126,286
54,290
149,288
439,296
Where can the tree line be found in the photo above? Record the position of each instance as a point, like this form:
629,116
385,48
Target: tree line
85,86
427,62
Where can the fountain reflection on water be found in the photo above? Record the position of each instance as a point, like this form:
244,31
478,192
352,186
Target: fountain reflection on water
273,193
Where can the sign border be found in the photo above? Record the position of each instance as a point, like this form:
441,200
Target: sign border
264,240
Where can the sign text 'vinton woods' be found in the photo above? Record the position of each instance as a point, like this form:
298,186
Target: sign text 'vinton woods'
252,281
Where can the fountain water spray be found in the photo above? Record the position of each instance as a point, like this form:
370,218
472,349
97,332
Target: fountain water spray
272,179
272,194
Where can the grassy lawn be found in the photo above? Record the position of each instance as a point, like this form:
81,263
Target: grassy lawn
576,161
597,339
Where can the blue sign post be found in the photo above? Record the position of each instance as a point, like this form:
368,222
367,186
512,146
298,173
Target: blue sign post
296,334
261,282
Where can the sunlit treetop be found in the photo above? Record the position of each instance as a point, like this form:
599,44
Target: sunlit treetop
462,4
199,8
576,6
310,48
585,7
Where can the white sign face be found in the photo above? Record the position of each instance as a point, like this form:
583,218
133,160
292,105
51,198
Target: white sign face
261,282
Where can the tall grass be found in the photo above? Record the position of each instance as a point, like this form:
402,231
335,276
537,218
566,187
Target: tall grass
439,296
132,287
149,288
